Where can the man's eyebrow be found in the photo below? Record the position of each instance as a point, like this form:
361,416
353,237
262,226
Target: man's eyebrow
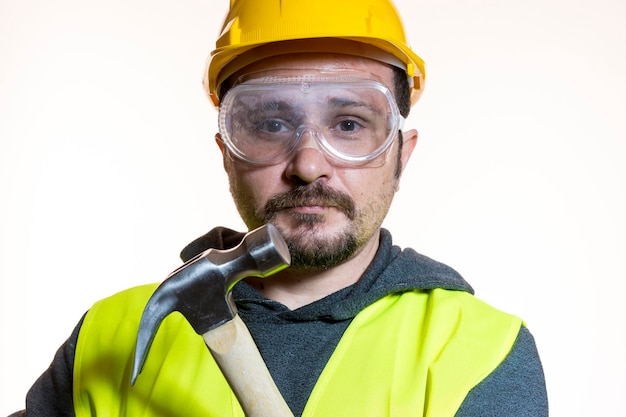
274,104
347,102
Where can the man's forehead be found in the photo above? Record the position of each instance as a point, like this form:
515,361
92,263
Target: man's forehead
319,64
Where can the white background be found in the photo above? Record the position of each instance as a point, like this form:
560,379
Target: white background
108,168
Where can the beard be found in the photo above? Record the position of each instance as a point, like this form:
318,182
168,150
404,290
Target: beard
309,246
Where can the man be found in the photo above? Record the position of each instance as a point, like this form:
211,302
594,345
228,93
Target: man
311,132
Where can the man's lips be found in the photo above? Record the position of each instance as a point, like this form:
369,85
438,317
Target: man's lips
310,208
311,203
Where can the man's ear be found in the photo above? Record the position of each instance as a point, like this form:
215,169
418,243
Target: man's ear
409,140
220,144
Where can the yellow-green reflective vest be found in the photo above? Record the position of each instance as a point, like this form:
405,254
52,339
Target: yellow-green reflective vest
415,353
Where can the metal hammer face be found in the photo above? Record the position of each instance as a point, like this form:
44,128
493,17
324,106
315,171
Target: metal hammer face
200,289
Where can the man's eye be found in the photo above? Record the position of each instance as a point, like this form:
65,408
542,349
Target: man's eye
272,126
348,126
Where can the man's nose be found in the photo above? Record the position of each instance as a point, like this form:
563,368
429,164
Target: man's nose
309,162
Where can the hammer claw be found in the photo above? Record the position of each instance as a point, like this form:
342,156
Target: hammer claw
200,289
148,327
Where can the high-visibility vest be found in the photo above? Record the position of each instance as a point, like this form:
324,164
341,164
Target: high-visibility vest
415,353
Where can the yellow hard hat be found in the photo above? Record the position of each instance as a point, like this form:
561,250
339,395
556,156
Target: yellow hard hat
257,29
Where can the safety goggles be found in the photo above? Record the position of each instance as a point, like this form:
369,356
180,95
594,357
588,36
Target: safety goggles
265,120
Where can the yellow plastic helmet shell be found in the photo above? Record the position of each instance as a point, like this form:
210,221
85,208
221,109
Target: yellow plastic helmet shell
257,29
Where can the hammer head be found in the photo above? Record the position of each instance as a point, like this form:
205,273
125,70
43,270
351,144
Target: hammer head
200,288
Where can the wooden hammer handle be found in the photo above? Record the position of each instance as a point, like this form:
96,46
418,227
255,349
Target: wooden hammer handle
241,363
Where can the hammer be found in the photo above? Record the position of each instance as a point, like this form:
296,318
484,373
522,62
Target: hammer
201,291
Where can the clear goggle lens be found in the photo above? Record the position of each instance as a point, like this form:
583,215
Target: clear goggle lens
263,121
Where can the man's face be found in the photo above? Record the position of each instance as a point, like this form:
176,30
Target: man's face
326,211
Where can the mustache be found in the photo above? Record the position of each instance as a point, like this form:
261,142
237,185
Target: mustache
315,194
